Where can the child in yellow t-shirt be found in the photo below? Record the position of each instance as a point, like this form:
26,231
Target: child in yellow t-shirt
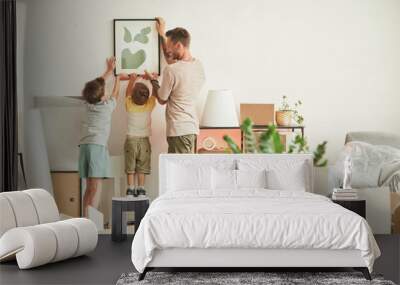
139,104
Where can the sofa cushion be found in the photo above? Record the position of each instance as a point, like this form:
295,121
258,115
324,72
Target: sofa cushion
23,208
7,220
45,205
67,240
33,246
87,234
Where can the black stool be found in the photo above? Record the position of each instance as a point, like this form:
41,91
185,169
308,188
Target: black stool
121,205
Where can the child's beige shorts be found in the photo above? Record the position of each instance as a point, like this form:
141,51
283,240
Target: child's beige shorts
137,155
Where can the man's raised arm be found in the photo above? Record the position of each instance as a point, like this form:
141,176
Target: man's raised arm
156,88
161,31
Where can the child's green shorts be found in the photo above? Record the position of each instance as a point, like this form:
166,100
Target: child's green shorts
93,161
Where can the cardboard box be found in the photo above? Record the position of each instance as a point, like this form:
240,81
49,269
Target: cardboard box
260,114
66,187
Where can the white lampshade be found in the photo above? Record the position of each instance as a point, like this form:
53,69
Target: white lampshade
220,110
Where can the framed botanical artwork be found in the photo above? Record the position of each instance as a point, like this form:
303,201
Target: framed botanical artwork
210,140
136,46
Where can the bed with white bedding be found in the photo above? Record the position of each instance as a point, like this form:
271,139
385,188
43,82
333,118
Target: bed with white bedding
247,211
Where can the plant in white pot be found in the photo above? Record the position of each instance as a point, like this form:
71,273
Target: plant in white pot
288,116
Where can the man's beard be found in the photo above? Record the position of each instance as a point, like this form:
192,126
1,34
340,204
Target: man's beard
176,56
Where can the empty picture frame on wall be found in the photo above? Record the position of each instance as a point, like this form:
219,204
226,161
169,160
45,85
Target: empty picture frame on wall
136,46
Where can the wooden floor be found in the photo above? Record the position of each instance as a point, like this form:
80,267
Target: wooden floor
110,260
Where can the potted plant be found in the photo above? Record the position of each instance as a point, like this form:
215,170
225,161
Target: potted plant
288,116
269,142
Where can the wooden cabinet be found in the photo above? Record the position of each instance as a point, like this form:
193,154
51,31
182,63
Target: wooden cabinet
67,192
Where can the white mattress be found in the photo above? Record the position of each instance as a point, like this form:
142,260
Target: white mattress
251,219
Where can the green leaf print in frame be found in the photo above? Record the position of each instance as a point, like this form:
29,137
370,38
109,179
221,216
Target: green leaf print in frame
127,35
132,60
136,46
142,36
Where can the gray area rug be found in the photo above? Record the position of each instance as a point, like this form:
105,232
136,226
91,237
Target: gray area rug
229,278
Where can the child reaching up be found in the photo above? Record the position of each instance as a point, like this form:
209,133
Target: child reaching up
93,151
139,104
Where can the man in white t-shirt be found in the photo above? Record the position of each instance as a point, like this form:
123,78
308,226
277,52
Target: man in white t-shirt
182,81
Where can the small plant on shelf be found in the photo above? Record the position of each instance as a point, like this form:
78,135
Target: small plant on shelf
269,142
286,114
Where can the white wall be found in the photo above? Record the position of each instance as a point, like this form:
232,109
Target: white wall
340,57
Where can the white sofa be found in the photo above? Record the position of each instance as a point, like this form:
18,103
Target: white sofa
31,230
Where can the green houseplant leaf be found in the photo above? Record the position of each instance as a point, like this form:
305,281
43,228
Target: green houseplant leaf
298,145
319,155
270,141
231,144
250,141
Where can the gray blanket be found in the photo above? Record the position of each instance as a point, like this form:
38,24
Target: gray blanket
372,165
390,175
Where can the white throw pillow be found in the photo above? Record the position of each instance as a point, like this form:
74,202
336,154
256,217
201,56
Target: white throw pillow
293,179
251,178
187,177
224,179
